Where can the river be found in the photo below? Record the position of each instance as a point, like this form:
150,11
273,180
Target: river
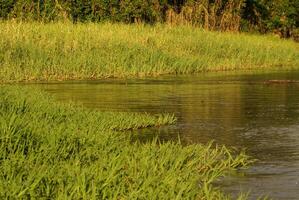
241,110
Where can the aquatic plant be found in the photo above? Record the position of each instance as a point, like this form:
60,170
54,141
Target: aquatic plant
63,51
50,150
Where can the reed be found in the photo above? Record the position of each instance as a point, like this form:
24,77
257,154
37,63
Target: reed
63,51
50,150
220,15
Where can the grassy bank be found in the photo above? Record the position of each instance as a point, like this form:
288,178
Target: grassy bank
62,51
50,150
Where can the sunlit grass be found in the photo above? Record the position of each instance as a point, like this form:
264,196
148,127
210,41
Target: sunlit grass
50,150
62,51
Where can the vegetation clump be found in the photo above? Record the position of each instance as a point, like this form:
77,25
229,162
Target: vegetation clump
278,16
63,51
50,150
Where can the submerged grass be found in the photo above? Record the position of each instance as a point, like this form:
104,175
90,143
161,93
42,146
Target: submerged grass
62,51
50,150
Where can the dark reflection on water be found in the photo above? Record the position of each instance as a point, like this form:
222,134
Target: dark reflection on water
242,111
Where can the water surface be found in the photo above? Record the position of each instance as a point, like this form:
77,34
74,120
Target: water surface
243,111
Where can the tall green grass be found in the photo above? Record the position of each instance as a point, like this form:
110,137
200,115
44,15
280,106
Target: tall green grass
50,150
62,51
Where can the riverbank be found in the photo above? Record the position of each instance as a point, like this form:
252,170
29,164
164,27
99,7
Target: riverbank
64,51
53,150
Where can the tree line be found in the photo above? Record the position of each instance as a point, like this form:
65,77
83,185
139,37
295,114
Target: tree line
278,16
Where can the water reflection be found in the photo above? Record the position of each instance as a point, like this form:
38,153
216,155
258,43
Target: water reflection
242,111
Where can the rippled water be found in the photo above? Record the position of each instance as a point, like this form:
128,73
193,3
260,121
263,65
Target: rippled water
243,111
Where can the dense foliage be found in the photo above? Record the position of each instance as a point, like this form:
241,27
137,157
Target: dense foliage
63,51
50,150
279,16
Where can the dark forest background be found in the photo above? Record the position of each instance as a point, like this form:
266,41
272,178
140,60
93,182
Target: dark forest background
277,16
